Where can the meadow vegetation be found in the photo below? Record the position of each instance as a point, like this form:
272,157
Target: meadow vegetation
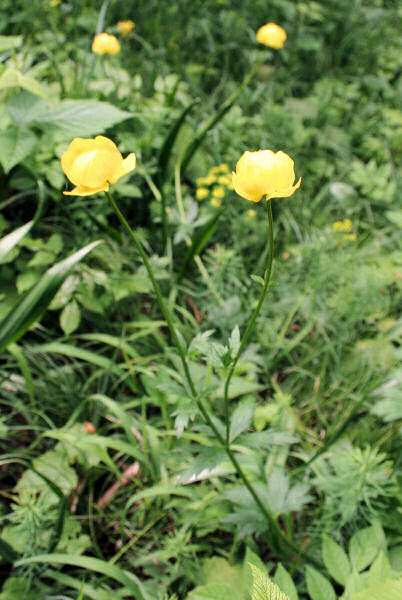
154,445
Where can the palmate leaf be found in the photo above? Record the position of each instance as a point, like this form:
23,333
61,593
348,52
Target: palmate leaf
264,588
34,303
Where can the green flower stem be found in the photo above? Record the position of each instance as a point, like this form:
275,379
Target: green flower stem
278,534
253,318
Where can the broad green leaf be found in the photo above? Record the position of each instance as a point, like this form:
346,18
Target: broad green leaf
83,117
33,304
7,553
9,42
251,558
70,317
283,579
380,570
8,242
391,589
264,588
23,108
363,548
395,216
335,560
11,78
318,586
214,592
15,145
128,579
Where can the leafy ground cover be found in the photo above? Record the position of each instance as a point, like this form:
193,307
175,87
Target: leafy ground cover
112,483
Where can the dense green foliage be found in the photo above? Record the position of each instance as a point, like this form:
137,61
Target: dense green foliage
112,485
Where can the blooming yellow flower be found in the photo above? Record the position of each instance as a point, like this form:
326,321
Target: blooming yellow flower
341,226
104,43
91,164
125,27
201,193
265,173
218,192
271,35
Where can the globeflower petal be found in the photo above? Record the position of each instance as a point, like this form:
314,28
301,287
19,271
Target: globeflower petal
91,164
271,35
264,173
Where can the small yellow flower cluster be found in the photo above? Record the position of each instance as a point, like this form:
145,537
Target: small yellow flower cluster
125,27
219,177
344,227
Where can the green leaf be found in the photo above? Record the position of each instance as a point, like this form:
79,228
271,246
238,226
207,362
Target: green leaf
318,586
335,560
283,579
129,580
9,42
385,590
70,317
166,149
363,548
23,108
83,117
33,304
203,466
15,145
11,78
7,553
264,588
380,570
214,592
251,558
241,417
8,242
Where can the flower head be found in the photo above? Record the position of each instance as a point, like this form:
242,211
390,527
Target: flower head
271,35
105,43
125,27
91,164
265,173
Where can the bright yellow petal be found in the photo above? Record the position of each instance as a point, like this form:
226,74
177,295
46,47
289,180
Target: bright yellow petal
86,191
126,166
285,193
248,194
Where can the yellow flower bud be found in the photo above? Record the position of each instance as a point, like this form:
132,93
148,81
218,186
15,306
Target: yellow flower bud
264,173
105,44
271,35
125,27
91,164
216,202
201,193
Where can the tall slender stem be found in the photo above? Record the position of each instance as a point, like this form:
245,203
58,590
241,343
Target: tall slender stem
253,318
279,536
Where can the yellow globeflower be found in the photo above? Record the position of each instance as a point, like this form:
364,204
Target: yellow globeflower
125,27
271,35
104,43
265,173
91,164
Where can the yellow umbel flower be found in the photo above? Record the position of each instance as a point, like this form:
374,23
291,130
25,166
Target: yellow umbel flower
218,192
342,226
202,193
125,27
105,43
265,173
91,164
271,35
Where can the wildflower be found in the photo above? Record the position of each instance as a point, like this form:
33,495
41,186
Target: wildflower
271,35
218,192
224,168
89,427
225,180
342,226
201,193
104,43
216,202
125,27
264,173
351,237
209,180
91,164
